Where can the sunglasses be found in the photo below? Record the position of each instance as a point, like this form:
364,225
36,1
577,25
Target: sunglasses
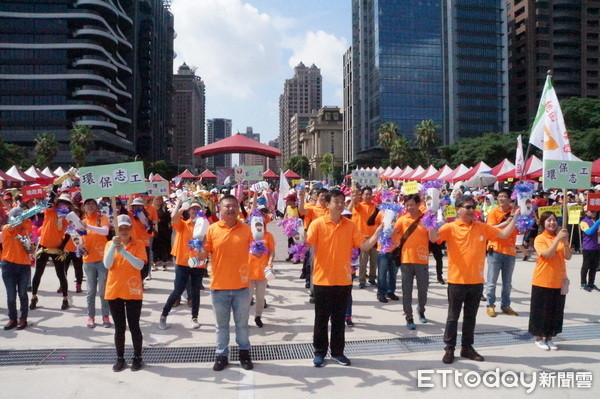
469,207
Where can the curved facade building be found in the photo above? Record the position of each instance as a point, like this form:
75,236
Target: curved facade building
76,62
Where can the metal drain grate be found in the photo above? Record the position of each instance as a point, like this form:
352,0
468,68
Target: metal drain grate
91,356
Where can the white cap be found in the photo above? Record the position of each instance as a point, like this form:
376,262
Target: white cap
65,197
138,201
123,220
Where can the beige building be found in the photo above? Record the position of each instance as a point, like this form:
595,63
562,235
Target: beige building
324,135
298,125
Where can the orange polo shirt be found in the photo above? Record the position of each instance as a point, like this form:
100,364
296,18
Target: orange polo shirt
184,232
50,235
333,243
125,281
229,252
549,273
466,250
416,247
360,214
94,243
12,248
257,265
152,215
504,246
138,230
312,213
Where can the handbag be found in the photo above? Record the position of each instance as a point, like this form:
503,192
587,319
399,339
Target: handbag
397,252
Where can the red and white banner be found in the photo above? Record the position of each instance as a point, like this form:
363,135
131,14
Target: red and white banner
31,192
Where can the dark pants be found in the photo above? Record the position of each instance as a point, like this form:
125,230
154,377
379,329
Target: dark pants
59,268
307,265
468,295
436,251
591,261
182,275
16,280
330,302
127,312
77,265
387,270
146,268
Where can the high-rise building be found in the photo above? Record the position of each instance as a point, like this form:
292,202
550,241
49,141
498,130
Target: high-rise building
252,159
218,129
274,163
427,59
103,64
298,124
301,94
558,35
348,136
323,135
188,118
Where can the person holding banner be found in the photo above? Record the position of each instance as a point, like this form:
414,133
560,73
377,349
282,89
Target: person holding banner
124,257
96,226
549,283
51,245
591,250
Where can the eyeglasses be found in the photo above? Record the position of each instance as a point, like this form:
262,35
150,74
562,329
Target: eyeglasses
469,207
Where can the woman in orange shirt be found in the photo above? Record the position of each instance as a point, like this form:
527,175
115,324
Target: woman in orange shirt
124,257
547,300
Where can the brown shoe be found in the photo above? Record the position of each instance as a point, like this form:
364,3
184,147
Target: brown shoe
508,310
22,324
470,353
491,311
448,356
177,303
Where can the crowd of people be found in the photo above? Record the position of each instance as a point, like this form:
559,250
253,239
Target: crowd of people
343,233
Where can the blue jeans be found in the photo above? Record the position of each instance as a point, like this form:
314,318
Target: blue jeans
16,280
224,302
183,274
386,274
499,263
95,276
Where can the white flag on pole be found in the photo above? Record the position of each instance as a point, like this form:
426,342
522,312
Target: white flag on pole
549,132
519,160
284,190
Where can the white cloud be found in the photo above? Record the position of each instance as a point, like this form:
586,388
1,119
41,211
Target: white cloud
233,45
323,49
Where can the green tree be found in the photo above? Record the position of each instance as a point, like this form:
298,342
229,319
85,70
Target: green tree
581,113
299,164
82,141
326,164
46,148
11,154
388,132
427,137
400,152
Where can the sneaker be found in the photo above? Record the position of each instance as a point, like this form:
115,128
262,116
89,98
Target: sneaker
448,356
65,304
362,285
106,322
136,364
78,289
549,343
470,353
422,318
59,290
10,325
154,268
349,321
411,325
195,324
119,365
311,300
491,311
372,283
220,363
343,360
508,310
382,299
22,324
594,287
525,258
393,296
586,288
164,268
318,361
162,322
245,360
258,321
542,345
307,285
33,303
90,322
440,280
303,276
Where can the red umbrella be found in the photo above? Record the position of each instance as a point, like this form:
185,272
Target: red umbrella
207,174
269,174
186,174
157,177
290,174
237,144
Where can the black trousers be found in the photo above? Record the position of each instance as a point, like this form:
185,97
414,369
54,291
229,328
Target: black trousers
591,261
183,276
127,312
77,265
436,251
330,302
146,268
59,268
459,296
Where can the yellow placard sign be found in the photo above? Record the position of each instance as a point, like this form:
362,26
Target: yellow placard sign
295,182
450,212
557,209
510,179
575,214
410,187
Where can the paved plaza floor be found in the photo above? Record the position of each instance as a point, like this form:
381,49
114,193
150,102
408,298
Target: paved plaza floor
58,356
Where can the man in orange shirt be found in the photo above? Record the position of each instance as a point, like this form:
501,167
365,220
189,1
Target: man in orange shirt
466,242
333,237
362,207
228,243
501,256
414,258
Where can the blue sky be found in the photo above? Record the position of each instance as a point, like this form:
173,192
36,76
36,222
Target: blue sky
244,51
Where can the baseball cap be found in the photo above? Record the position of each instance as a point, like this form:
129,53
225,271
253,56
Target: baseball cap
123,220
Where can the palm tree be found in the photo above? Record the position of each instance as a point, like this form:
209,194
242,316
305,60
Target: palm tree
46,148
400,152
82,141
388,132
427,137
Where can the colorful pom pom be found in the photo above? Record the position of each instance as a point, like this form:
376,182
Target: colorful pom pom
258,248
